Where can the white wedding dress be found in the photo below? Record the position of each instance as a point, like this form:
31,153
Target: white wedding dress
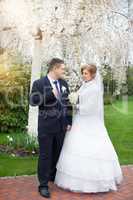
88,161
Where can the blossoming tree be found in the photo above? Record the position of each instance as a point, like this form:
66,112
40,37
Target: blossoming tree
77,31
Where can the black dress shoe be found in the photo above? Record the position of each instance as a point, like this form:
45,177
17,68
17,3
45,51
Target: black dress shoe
44,192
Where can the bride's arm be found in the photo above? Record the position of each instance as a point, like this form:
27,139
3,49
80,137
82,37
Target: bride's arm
88,103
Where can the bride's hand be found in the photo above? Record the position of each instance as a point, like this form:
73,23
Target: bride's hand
69,127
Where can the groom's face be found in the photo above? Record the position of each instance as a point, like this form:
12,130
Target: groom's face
59,71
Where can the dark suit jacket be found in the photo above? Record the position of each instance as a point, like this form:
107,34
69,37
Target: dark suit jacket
54,115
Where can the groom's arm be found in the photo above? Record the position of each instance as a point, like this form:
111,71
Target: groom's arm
36,96
69,112
40,94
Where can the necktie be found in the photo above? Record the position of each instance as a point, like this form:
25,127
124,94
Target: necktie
56,85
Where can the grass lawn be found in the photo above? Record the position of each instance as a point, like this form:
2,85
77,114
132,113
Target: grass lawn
120,128
13,166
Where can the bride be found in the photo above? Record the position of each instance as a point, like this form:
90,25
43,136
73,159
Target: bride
88,161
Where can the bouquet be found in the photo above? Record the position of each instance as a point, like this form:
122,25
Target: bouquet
73,97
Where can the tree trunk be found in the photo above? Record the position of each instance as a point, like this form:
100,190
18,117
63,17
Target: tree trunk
35,74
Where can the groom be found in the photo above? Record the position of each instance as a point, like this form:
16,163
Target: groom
50,94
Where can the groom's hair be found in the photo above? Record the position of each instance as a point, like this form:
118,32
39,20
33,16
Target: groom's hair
54,62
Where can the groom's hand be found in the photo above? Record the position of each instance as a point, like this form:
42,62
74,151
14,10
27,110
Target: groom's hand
68,127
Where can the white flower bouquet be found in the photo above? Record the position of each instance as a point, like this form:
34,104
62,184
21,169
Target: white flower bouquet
73,97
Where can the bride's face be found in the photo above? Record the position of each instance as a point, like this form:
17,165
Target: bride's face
86,75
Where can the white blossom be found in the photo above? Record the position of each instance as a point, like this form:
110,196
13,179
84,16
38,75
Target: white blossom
10,138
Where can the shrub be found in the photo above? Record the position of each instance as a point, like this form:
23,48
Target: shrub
14,89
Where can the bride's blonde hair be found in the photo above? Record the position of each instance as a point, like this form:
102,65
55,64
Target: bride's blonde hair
91,68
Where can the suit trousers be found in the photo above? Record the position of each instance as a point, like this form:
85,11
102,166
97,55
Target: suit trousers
50,146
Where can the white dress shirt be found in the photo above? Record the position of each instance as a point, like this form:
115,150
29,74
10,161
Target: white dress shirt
52,83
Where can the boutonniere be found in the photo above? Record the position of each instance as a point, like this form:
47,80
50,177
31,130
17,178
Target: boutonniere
63,89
